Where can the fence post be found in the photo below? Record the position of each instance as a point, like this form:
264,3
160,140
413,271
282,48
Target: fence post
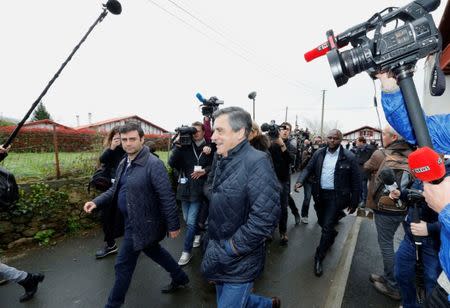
55,147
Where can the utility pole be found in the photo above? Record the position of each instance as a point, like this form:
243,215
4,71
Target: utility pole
285,116
323,110
296,121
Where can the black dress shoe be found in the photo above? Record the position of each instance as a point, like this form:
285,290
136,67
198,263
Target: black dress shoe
276,302
318,270
173,286
30,284
297,220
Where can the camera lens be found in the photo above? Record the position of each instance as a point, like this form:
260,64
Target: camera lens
348,63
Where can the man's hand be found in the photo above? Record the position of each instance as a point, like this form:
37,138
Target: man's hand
395,194
207,150
298,186
89,207
174,234
388,83
3,150
419,229
197,174
437,196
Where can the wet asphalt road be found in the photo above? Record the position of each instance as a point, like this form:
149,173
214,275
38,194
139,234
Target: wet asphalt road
75,279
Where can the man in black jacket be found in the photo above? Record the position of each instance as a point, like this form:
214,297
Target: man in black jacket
193,163
244,211
145,211
337,187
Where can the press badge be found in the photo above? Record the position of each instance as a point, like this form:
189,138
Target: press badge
183,180
198,168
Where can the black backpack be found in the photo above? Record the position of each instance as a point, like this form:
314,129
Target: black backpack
100,180
9,192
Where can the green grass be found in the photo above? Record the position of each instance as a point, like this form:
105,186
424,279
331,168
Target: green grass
34,166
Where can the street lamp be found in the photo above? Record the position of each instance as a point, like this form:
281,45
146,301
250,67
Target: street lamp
252,96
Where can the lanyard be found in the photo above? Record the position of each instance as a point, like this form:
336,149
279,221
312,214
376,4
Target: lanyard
196,156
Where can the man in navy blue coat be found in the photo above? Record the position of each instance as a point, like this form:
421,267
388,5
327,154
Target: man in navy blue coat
244,211
145,212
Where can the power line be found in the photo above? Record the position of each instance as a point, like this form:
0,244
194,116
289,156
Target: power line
237,43
306,90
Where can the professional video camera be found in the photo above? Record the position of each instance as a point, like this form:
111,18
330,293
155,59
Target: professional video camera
301,135
395,50
210,105
185,132
272,129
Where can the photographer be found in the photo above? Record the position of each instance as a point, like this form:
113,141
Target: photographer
429,232
438,198
109,160
397,116
283,155
28,281
362,154
193,162
307,185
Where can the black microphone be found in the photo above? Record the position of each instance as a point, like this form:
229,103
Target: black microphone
114,7
252,95
387,176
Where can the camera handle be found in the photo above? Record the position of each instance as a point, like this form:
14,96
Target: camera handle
416,115
419,279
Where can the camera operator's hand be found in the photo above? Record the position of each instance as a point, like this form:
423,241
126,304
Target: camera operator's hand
437,196
419,229
89,207
3,150
207,150
297,187
395,194
176,142
280,142
197,174
388,83
174,234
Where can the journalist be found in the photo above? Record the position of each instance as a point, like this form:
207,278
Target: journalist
28,281
308,152
438,198
192,163
282,158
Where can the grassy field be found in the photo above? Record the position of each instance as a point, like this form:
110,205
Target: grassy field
34,166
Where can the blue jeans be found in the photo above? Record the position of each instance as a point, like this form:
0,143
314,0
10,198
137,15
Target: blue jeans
405,272
11,274
190,214
126,263
237,295
307,189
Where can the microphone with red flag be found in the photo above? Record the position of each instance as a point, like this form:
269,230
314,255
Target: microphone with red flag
426,165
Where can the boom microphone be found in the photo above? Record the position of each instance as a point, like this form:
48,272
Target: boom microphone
114,7
427,165
387,176
252,95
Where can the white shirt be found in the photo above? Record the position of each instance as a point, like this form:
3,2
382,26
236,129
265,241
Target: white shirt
328,167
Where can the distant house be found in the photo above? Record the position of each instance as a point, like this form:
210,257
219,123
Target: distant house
368,132
105,126
45,124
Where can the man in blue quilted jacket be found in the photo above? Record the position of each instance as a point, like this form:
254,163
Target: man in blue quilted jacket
244,211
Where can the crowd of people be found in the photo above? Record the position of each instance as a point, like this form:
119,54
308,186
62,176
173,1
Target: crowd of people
234,190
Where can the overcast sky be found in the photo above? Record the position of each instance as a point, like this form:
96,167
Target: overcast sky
153,58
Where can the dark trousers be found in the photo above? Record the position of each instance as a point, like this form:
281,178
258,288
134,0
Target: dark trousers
284,200
126,263
437,299
108,229
307,189
327,213
363,194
